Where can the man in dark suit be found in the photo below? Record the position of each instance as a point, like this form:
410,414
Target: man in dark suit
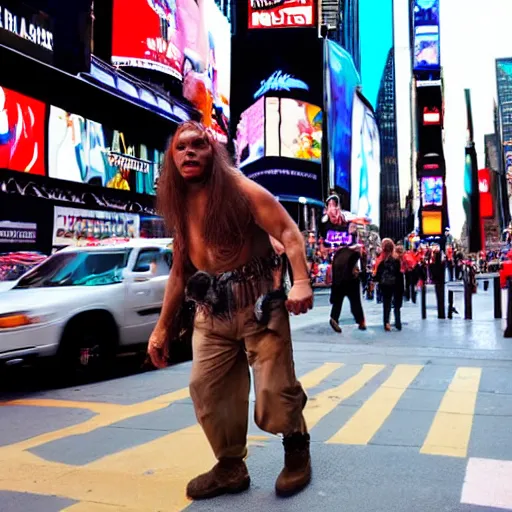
346,283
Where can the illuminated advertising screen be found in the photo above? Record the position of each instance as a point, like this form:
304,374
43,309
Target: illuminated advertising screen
365,165
431,223
341,82
281,13
432,191
74,226
287,177
22,132
431,116
426,34
85,151
484,187
26,29
250,137
188,40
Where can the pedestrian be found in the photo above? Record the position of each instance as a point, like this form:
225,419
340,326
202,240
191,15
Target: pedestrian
224,263
391,282
346,283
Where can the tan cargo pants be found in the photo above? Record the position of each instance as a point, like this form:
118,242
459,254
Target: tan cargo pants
220,380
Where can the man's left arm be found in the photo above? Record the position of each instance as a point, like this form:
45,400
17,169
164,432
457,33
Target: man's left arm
270,215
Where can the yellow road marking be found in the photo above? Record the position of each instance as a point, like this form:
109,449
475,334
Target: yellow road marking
451,429
104,419
143,478
323,403
316,376
97,407
365,423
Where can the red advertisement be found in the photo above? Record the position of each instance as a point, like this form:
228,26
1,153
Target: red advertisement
484,187
281,13
22,132
189,40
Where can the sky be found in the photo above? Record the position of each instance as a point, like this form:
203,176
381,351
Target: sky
473,34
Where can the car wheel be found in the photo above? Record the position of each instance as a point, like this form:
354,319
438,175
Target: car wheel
87,349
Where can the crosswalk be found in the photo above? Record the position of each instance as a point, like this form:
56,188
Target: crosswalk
348,404
450,428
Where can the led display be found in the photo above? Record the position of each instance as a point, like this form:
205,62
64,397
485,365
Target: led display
250,138
85,151
432,191
365,165
185,39
22,132
341,82
281,13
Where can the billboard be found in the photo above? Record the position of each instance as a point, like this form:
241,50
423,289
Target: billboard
22,132
188,40
280,127
74,226
84,151
365,163
17,232
250,135
486,199
26,29
281,13
342,80
432,191
426,34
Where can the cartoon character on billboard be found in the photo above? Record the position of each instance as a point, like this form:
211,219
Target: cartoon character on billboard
309,142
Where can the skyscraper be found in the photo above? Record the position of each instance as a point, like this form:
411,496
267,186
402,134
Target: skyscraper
392,222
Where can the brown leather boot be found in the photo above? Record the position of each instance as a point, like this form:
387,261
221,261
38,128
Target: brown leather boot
228,476
296,473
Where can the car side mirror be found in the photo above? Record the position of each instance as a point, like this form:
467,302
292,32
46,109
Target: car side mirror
143,268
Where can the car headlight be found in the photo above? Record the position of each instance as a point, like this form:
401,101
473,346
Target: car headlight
13,320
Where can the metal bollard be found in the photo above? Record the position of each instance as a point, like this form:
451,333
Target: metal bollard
497,298
508,329
468,301
424,301
450,304
441,308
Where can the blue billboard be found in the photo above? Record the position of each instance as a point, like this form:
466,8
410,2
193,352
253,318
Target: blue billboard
341,82
426,34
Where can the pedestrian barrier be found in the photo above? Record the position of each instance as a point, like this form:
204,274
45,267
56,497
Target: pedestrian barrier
450,304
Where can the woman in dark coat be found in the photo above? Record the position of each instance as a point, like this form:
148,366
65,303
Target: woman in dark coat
391,283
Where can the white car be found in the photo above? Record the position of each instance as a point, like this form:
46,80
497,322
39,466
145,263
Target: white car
85,304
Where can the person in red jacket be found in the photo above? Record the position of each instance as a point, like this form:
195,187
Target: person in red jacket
506,270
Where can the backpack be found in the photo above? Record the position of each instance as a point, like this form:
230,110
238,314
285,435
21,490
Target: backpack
388,276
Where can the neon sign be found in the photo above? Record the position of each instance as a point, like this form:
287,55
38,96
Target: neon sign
279,81
281,13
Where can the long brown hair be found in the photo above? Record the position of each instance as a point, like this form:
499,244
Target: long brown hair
388,251
228,214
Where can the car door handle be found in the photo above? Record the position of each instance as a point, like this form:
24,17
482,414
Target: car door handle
141,279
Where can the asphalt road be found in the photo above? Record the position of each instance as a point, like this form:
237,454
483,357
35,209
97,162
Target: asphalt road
411,421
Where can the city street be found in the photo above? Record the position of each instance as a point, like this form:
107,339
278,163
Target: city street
411,421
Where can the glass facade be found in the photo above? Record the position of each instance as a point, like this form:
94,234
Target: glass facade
393,219
350,39
504,84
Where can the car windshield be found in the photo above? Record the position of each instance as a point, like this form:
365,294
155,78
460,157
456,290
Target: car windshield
82,268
